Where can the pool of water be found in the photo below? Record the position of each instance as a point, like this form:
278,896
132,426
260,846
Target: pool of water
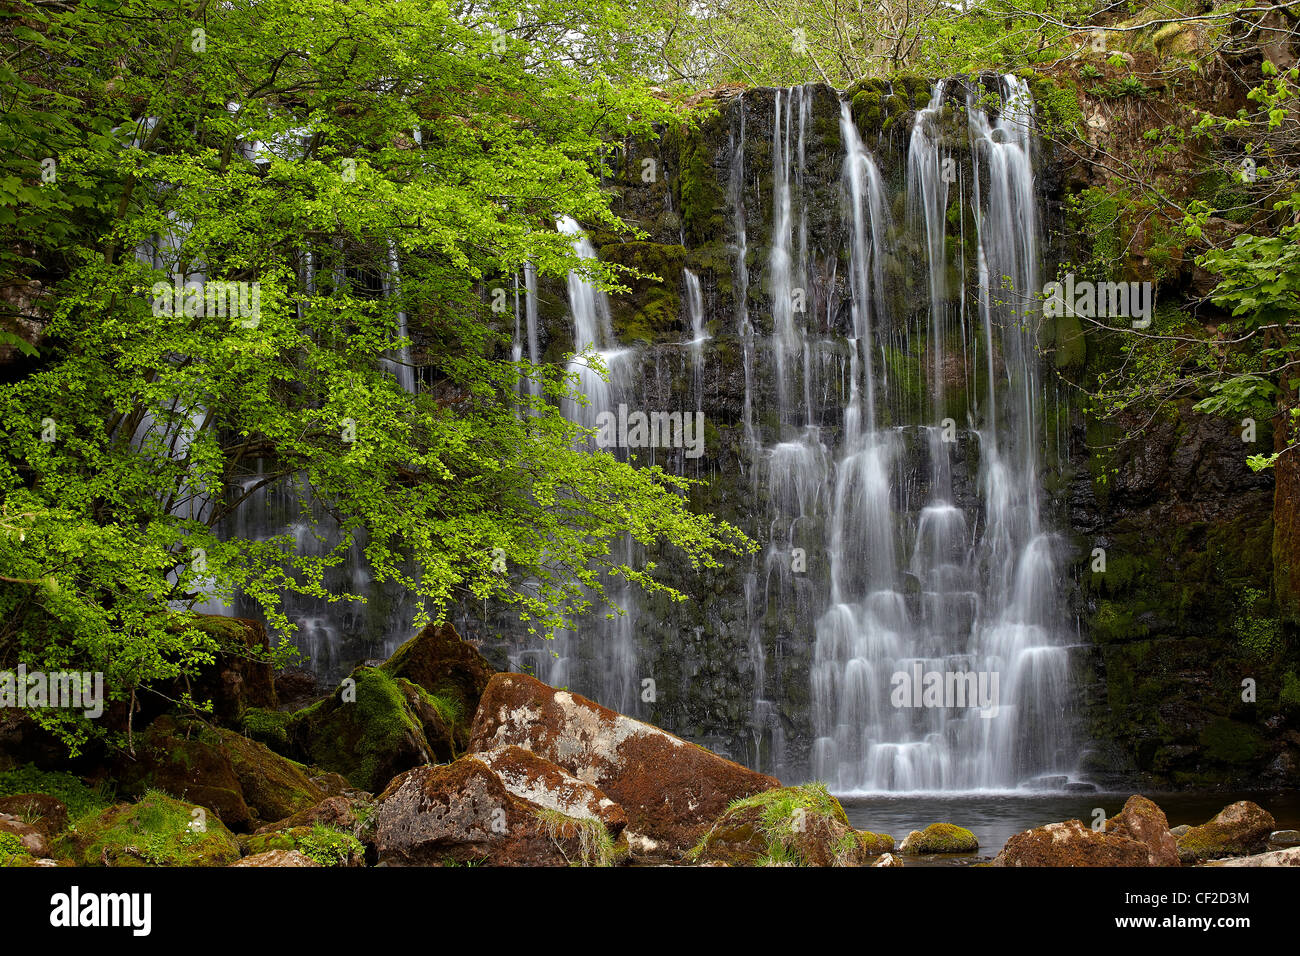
995,817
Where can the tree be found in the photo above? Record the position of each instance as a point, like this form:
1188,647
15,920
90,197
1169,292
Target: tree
291,152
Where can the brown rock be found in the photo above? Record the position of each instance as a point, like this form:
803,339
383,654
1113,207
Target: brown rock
1071,844
1236,830
1143,821
1287,857
671,790
182,760
462,812
33,840
337,812
277,858
45,813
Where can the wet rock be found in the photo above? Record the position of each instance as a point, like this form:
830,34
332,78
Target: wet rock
274,787
940,838
277,858
1071,844
1180,830
337,812
464,813
1237,830
888,859
671,790
1287,857
1278,838
790,826
1143,821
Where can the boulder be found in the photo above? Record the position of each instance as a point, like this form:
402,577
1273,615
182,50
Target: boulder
1237,830
448,668
671,790
243,781
1279,839
337,812
274,787
32,840
1143,821
239,677
185,759
940,838
277,858
157,831
371,729
1287,857
789,826
462,813
45,813
888,859
1071,844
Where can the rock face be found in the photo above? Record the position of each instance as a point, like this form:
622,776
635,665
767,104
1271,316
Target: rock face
1237,830
1143,821
671,790
940,838
464,813
277,858
1071,844
445,666
790,826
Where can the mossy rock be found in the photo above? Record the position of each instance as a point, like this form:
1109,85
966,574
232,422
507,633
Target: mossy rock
157,831
269,727
327,846
653,310
1237,830
372,728
274,787
788,826
452,672
940,838
186,759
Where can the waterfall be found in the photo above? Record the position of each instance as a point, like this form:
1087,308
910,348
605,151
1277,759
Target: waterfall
922,584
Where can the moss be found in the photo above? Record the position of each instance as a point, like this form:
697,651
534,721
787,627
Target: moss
329,847
653,309
267,726
69,790
157,831
703,200
1057,106
1230,742
12,851
941,838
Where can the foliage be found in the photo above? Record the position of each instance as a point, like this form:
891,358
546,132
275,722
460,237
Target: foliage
595,846
329,847
68,789
302,147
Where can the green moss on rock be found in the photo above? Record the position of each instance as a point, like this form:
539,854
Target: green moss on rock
158,831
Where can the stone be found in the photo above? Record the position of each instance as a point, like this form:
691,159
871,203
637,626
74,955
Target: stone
541,782
371,730
186,760
159,830
273,786
789,826
438,660
888,859
463,812
1237,830
1143,821
337,812
32,839
1278,838
940,838
1071,844
45,813
1288,857
277,858
1180,830
671,790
